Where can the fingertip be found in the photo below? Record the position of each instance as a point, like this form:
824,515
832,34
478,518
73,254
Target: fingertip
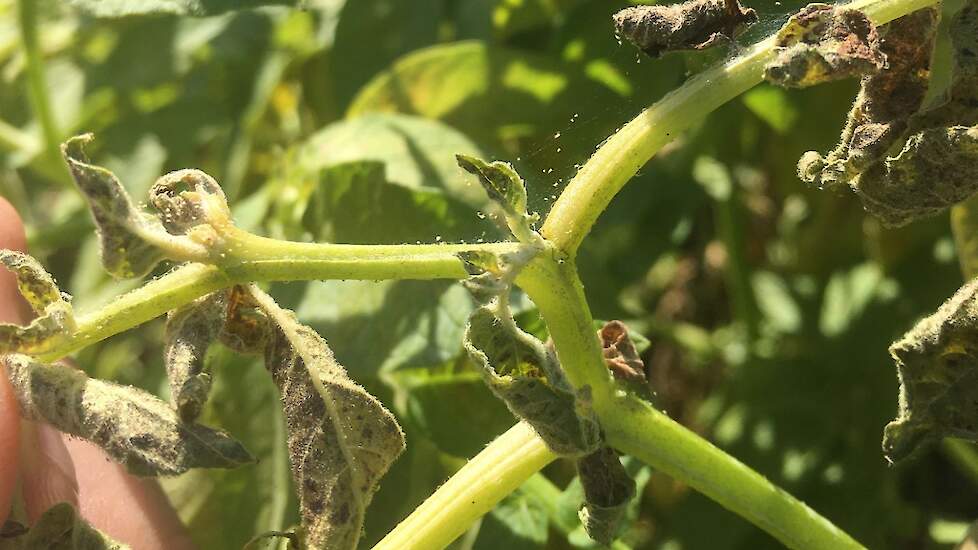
9,443
13,308
130,509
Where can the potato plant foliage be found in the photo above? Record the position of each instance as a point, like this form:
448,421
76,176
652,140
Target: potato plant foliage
345,274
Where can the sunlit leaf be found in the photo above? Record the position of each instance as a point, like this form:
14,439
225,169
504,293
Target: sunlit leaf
124,8
55,318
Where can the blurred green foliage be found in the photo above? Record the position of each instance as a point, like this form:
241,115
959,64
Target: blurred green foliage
768,306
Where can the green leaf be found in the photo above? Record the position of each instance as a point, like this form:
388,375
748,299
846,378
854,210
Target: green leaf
518,522
608,489
506,188
60,527
412,149
373,33
199,8
773,106
135,428
341,439
526,376
55,318
937,365
452,406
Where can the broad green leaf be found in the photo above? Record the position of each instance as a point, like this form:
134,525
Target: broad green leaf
55,318
62,528
608,489
936,364
199,8
190,330
518,522
358,54
341,439
507,99
135,428
451,405
416,153
223,509
526,376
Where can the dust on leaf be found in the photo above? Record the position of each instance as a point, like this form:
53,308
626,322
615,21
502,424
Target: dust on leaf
693,25
135,428
55,318
607,491
132,242
189,199
60,527
885,102
522,372
937,365
822,43
341,439
190,330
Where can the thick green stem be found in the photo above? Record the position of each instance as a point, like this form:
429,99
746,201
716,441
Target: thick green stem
249,258
624,153
636,428
485,480
40,101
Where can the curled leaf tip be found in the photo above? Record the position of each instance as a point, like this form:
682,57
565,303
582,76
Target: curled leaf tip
55,318
189,198
507,189
822,43
522,372
607,491
937,366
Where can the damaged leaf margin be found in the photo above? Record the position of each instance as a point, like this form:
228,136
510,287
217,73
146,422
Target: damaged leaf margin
55,319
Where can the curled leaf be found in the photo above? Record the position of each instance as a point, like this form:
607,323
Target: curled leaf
187,199
132,242
619,352
936,168
522,372
937,365
134,427
190,331
54,319
245,327
507,189
822,43
693,25
341,439
60,527
607,491
886,101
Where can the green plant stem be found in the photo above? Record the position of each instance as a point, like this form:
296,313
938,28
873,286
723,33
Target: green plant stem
623,154
634,427
37,81
249,258
494,473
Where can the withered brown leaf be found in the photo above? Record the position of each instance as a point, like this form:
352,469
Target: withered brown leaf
693,25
